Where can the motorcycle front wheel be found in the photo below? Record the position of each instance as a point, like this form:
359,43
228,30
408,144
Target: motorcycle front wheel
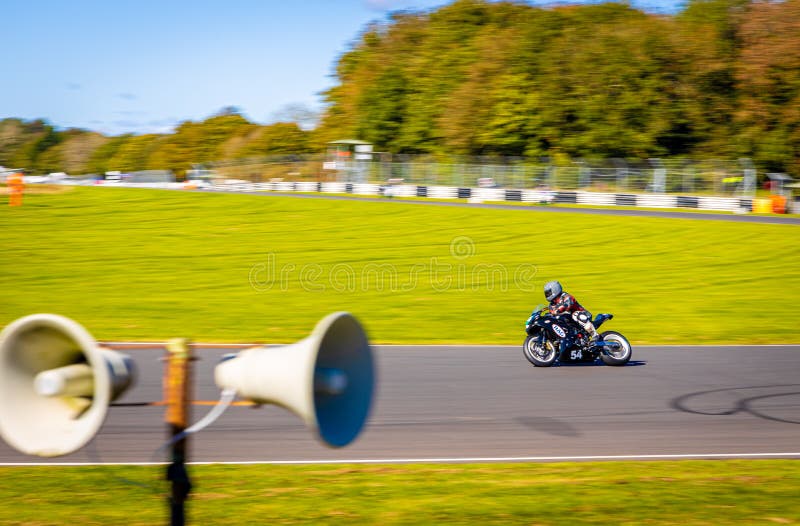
620,353
540,355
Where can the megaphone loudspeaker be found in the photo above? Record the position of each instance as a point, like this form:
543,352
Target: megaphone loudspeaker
327,379
56,384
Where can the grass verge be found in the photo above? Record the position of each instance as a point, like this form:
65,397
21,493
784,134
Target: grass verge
653,493
136,264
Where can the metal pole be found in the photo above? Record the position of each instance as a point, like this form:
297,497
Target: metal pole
177,379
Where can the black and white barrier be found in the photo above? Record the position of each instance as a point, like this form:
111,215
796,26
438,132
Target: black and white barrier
478,195
471,194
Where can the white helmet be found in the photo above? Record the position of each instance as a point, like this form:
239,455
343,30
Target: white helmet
552,290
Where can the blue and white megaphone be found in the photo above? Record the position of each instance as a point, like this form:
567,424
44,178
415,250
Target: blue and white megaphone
327,379
56,384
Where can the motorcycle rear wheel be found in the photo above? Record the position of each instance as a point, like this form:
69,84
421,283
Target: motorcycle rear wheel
616,356
539,355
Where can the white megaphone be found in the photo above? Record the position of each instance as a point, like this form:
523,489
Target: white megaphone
55,384
326,379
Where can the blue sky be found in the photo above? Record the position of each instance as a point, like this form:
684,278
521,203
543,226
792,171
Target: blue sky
139,66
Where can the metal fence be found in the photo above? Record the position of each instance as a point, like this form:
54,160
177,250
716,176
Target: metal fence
704,177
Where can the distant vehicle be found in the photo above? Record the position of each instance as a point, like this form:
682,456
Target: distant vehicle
199,178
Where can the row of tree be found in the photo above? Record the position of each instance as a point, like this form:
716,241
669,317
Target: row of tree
39,148
719,79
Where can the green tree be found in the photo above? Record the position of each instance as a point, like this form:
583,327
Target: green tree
276,139
768,74
100,159
383,108
477,77
132,155
23,143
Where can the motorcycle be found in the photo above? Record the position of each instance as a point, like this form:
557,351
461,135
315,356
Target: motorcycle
557,337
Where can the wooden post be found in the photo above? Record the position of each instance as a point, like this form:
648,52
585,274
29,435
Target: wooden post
177,383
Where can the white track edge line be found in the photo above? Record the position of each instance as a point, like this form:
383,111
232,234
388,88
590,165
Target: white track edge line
434,460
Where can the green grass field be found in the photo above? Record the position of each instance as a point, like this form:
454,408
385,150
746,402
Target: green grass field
134,264
652,493
149,265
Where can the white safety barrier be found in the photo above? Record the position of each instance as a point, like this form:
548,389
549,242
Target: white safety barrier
656,201
596,198
306,186
719,203
366,189
442,192
282,186
159,186
401,190
333,188
489,194
473,195
538,196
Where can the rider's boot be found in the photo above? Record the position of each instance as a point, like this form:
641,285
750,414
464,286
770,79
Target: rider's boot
592,332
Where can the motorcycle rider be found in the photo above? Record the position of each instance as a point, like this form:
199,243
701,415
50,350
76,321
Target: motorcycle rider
564,303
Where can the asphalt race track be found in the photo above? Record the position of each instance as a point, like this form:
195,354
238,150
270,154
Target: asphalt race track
468,403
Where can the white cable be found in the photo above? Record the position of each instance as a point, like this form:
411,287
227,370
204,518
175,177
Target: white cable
225,398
